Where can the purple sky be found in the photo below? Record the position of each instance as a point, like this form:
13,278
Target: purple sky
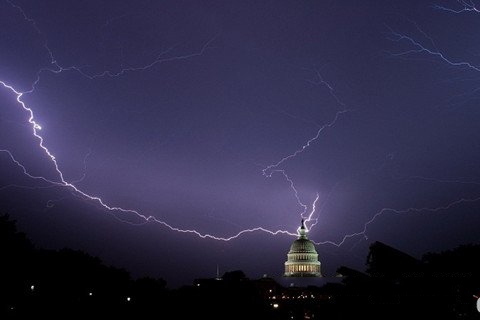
175,108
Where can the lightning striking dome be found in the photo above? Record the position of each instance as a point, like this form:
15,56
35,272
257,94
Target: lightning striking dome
302,258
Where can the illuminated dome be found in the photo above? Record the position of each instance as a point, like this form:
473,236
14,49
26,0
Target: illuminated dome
302,258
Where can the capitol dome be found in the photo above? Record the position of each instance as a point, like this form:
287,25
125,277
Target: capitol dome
302,258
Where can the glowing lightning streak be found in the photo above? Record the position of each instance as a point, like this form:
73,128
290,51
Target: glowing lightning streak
273,168
322,81
57,68
25,172
268,171
64,183
396,211
310,216
84,174
35,127
295,192
419,48
468,6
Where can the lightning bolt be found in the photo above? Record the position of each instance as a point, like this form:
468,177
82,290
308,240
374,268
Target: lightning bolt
268,171
36,127
310,218
419,48
62,182
400,212
466,6
25,172
294,189
56,68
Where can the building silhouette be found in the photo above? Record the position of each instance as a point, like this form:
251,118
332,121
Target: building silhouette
302,258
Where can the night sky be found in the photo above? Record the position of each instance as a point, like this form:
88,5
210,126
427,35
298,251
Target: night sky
184,110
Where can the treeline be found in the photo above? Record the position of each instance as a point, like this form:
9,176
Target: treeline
68,284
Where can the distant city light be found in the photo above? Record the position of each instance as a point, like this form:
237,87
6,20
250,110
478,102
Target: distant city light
275,305
270,290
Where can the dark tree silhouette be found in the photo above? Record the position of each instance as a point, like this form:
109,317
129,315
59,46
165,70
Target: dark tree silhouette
69,284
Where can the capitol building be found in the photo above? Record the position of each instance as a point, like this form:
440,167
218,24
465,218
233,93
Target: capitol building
302,258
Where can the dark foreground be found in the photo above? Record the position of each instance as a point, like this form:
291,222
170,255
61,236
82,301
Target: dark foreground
69,284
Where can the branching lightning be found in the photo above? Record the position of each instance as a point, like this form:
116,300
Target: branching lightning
268,171
25,172
465,6
64,183
61,180
418,47
56,68
400,212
